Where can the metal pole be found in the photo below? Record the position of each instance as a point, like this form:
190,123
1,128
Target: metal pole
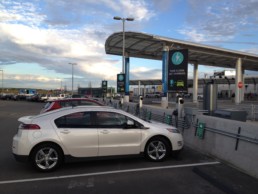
72,79
123,20
72,74
123,68
2,81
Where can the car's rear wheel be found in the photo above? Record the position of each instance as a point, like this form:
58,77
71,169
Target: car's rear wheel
157,149
46,157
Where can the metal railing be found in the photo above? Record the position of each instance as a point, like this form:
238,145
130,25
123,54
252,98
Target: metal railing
148,115
236,136
182,123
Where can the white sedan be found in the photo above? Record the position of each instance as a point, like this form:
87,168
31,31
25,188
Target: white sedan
47,139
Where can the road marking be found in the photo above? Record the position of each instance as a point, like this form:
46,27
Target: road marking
108,172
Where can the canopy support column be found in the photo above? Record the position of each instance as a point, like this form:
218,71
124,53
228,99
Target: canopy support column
243,88
195,82
164,99
139,88
237,80
127,67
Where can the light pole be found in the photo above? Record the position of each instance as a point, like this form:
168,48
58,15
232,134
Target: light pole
2,81
72,74
123,20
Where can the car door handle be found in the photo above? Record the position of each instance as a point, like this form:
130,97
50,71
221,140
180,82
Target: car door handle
65,131
104,131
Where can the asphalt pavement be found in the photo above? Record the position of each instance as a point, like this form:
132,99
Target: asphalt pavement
192,172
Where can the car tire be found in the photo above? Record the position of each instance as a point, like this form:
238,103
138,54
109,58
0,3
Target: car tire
47,157
157,149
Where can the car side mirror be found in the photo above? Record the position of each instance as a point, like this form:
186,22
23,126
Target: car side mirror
130,123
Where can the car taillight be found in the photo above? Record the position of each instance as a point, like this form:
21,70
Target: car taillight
29,127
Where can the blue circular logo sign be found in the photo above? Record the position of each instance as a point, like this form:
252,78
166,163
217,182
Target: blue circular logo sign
177,58
121,77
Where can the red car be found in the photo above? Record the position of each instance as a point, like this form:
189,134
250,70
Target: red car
56,104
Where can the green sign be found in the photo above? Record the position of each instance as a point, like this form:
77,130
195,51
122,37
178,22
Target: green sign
177,58
200,130
177,71
121,83
104,86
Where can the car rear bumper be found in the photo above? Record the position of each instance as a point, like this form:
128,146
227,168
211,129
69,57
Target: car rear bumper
21,158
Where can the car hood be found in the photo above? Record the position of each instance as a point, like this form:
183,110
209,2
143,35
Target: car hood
158,125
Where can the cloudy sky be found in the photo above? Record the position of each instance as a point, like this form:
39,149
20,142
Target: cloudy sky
39,38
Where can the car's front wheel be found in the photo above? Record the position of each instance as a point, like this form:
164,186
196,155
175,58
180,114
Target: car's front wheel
46,157
157,149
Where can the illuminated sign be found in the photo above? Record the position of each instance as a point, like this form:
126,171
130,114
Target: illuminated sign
177,71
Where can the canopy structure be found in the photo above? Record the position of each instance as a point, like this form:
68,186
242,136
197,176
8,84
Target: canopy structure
141,45
223,80
147,46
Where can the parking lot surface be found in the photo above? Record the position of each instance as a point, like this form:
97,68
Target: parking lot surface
192,172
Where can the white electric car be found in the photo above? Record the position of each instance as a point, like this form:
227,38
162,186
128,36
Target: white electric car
46,140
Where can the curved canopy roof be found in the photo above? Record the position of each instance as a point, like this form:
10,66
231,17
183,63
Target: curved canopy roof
141,45
201,81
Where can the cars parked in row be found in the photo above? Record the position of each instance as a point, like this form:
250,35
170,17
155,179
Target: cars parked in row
47,97
153,95
66,102
4,96
46,140
11,96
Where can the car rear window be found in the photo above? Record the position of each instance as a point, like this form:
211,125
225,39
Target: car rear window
68,103
83,102
78,103
47,105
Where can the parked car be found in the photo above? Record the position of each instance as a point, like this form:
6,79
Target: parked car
44,97
56,104
7,96
200,96
77,96
47,97
46,140
188,95
57,97
153,95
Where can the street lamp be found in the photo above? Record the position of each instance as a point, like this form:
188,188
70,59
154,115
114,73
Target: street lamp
2,81
72,74
123,20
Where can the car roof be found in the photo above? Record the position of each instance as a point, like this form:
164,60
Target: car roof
82,108
74,99
71,110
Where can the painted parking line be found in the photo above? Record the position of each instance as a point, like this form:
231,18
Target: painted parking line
107,172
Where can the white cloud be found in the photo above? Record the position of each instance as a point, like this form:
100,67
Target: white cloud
220,20
193,35
31,34
20,12
137,9
145,73
79,10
